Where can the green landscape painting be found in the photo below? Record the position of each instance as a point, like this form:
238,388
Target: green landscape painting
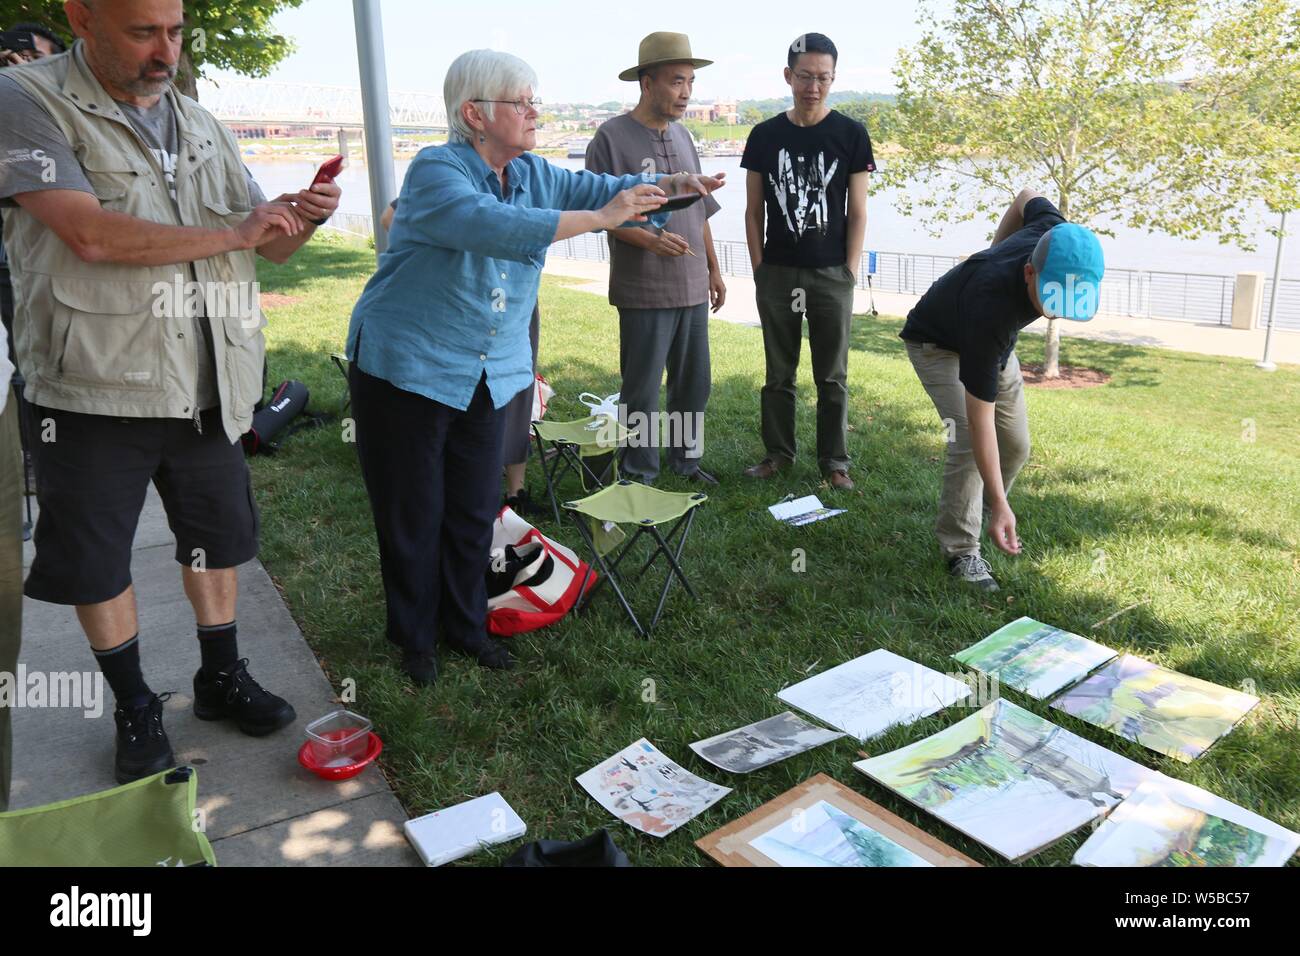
1035,658
1171,713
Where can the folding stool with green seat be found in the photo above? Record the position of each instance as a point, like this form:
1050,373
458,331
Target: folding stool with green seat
575,442
628,502
150,822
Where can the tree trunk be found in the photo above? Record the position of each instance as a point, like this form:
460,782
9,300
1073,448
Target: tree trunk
185,80
1052,350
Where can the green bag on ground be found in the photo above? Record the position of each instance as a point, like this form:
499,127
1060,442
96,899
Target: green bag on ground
150,822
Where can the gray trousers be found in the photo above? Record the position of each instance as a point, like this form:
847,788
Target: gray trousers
11,572
961,502
650,341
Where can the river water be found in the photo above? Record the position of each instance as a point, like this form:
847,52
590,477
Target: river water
887,230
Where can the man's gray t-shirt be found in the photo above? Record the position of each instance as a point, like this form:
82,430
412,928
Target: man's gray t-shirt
639,279
32,147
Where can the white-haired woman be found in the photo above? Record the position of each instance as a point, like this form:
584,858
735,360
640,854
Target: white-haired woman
439,342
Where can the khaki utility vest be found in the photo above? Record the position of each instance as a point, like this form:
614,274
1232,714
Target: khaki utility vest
111,339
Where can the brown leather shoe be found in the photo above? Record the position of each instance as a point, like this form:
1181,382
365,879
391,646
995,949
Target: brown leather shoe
764,469
840,481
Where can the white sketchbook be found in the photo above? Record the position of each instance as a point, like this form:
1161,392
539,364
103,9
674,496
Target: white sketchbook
446,835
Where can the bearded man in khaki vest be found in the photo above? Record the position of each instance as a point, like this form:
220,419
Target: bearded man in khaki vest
132,228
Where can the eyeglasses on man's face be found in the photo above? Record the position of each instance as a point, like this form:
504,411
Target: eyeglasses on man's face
804,78
521,106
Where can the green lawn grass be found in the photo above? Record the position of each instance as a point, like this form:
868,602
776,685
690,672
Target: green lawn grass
1154,490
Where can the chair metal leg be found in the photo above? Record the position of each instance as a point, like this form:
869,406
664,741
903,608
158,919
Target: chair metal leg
547,473
607,574
674,565
346,398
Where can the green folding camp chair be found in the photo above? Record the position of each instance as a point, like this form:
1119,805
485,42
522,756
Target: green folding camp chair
628,502
150,822
341,363
589,447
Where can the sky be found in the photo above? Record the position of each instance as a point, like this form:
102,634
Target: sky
579,47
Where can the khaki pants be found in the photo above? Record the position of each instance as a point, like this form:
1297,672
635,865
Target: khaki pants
11,571
962,499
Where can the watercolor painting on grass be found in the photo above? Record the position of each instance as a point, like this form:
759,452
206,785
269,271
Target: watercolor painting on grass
1035,658
1008,778
1169,712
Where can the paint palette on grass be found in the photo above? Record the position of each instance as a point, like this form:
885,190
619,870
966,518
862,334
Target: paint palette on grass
1008,778
1171,713
866,696
649,792
822,823
1167,822
1035,658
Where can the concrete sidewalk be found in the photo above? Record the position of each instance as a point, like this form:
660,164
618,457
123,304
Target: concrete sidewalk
741,309
262,808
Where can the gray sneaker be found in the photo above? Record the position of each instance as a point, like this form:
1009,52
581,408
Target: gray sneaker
973,570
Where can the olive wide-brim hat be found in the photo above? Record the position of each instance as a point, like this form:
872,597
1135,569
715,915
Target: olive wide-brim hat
660,48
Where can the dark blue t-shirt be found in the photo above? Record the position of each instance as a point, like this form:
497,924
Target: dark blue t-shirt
978,307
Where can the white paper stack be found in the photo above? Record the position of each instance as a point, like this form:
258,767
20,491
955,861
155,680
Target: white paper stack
446,835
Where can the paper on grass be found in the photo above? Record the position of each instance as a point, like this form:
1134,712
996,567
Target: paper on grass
1172,713
803,511
763,743
1167,822
869,694
1008,778
644,788
1035,658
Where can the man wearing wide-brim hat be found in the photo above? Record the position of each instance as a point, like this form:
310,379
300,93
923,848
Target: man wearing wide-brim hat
661,281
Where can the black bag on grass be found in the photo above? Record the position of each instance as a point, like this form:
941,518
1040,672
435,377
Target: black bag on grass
272,418
595,850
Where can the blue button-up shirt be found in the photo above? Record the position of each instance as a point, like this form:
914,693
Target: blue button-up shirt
455,290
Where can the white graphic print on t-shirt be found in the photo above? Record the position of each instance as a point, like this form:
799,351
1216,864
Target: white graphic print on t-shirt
800,186
168,163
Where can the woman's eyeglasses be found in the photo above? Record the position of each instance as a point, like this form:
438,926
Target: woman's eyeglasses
521,106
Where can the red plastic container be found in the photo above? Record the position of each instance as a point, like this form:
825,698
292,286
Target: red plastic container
306,757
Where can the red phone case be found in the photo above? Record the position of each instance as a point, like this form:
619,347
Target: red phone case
328,170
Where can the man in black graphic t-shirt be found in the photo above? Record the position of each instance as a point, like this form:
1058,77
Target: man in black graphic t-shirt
805,222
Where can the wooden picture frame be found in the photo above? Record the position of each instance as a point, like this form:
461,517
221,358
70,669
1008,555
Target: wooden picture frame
730,845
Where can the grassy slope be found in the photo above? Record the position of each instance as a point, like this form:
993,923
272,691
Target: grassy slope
1145,490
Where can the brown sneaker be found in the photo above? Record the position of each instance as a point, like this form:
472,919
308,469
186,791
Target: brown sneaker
840,480
764,469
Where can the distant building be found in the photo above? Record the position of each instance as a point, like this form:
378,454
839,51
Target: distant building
719,111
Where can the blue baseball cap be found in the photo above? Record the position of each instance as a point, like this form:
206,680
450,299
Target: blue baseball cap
1070,265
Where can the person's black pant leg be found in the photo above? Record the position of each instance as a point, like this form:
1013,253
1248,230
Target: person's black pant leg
400,440
472,470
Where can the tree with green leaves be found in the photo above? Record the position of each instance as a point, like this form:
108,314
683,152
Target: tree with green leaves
1175,116
876,115
220,34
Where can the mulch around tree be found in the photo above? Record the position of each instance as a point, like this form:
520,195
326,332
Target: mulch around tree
1072,376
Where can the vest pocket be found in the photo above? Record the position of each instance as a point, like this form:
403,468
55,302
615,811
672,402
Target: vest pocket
245,349
110,335
111,175
221,215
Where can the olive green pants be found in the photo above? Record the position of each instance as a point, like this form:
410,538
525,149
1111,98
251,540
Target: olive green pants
786,295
